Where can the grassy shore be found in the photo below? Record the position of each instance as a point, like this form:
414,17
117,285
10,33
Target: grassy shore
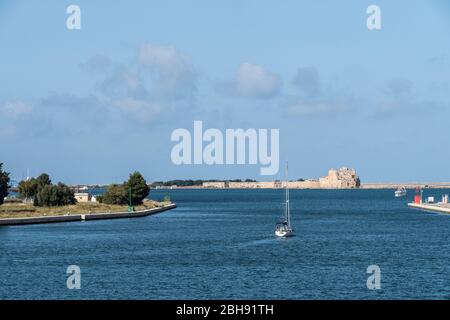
22,210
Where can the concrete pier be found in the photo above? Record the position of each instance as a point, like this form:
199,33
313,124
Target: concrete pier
84,217
435,207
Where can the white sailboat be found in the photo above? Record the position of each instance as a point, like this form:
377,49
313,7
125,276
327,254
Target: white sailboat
283,228
400,192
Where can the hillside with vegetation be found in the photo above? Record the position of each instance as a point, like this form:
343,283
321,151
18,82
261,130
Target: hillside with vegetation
40,197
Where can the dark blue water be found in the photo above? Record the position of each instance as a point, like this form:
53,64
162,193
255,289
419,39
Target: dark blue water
219,244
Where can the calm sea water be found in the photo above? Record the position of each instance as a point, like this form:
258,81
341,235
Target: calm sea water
219,244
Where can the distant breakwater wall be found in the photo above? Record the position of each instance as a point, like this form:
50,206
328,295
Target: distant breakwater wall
84,217
363,186
310,186
408,185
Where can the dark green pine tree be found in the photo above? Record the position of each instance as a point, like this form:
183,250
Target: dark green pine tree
4,184
138,187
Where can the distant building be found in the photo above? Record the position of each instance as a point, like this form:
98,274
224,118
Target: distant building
214,184
82,197
251,185
343,178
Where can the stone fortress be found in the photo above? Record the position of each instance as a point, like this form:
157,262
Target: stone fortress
343,178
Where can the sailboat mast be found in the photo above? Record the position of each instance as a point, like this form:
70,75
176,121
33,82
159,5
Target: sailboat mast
288,213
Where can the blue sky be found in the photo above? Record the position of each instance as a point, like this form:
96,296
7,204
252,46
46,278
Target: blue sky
92,105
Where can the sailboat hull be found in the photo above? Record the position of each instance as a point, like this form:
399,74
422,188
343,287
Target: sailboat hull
284,233
400,194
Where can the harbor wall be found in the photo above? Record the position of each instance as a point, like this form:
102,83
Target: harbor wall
437,207
407,185
83,217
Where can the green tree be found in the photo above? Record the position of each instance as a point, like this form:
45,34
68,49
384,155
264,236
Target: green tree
55,195
138,186
43,180
28,188
4,184
115,194
66,194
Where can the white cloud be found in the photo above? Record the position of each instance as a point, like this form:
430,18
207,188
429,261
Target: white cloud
138,109
176,75
313,99
162,79
325,108
15,109
122,81
256,82
402,100
165,57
